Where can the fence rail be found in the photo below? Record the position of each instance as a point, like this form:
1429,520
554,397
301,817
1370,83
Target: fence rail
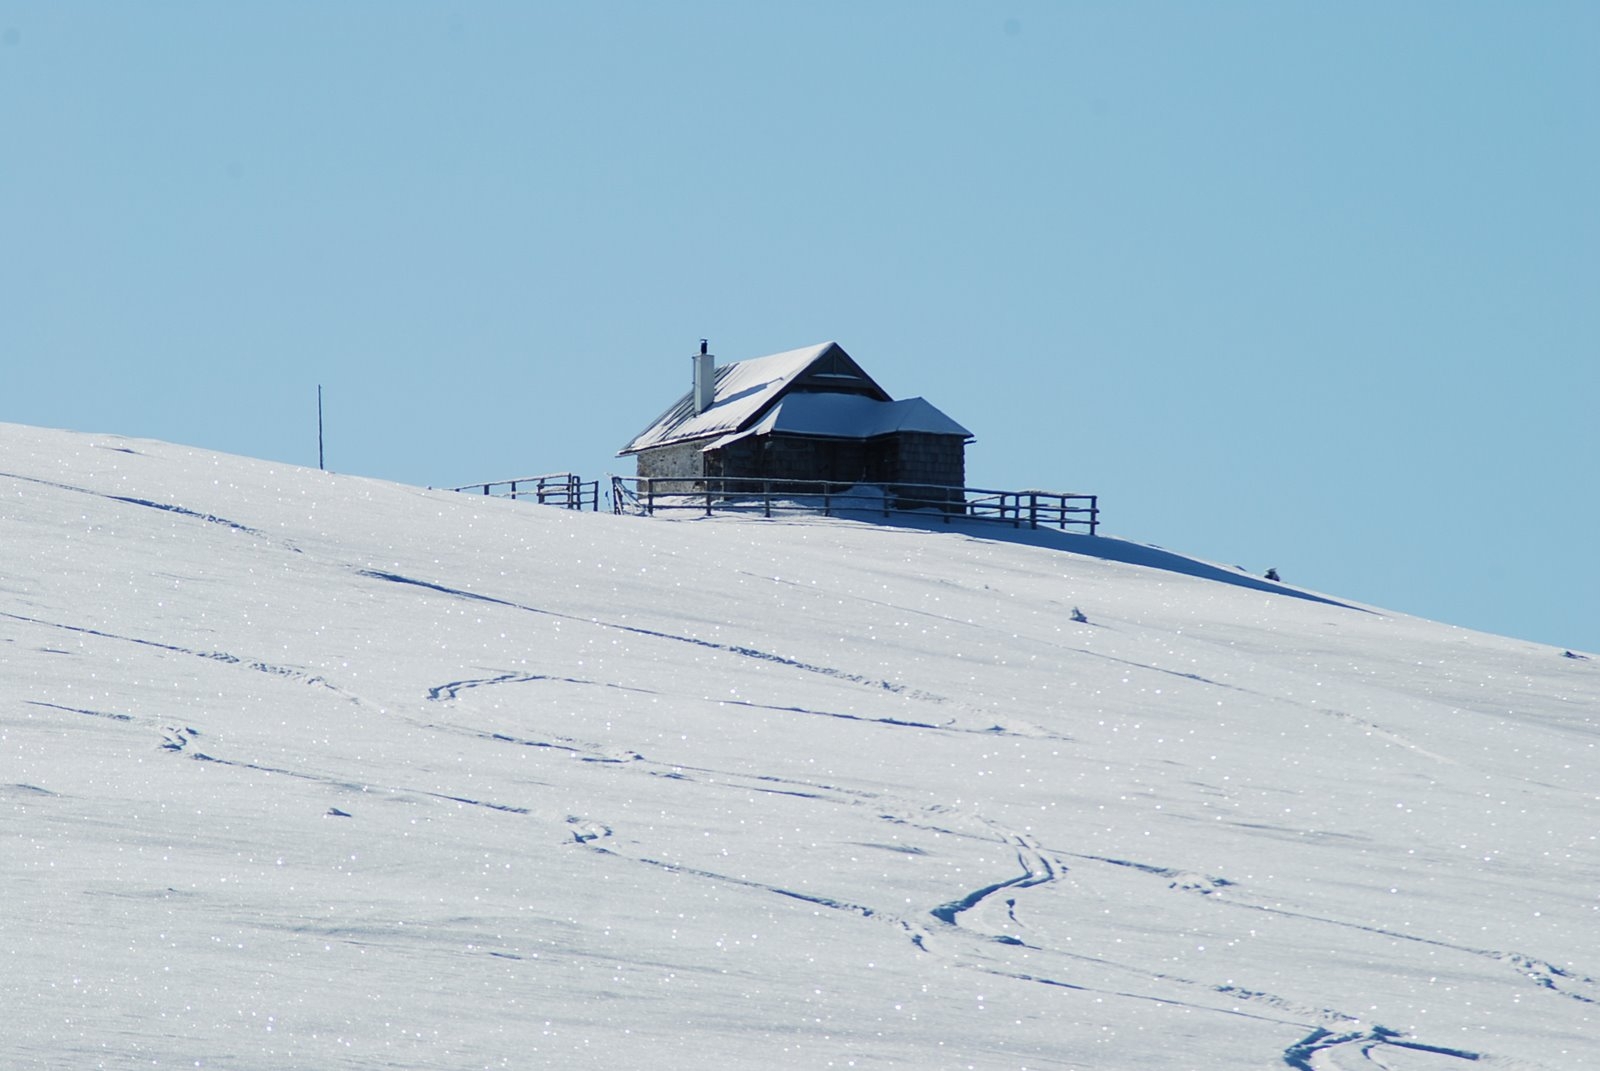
561,489
648,495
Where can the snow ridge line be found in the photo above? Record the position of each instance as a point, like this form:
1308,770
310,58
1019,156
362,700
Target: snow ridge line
727,648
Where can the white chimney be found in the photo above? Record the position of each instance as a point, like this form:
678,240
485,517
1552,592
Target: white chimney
705,367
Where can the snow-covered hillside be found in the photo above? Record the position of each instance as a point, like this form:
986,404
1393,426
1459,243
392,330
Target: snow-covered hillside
308,771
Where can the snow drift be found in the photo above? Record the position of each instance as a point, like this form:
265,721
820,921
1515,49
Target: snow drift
302,770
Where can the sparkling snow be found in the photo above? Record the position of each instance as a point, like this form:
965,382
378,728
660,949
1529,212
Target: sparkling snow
303,770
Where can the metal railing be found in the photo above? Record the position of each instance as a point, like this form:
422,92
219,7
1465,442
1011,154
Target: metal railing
647,495
561,489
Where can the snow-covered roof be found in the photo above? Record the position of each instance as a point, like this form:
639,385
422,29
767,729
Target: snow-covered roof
754,397
848,416
745,389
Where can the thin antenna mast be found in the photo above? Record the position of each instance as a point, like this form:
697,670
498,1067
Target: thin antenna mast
320,465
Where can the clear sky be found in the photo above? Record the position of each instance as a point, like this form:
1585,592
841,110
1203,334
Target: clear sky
1314,287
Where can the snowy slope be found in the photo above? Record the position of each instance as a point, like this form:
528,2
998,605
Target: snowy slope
301,770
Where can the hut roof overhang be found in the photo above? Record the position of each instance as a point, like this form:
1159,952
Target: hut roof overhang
847,416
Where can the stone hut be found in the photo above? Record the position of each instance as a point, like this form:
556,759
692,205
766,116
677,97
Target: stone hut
810,414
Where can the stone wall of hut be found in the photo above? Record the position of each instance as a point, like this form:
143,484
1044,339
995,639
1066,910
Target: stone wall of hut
678,460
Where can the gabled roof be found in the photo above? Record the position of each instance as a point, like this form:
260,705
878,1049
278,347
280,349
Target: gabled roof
745,389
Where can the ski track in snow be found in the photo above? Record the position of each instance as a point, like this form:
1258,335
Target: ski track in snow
979,923
165,507
897,608
734,649
1316,1052
1036,869
728,879
1039,870
1147,667
350,786
80,710
177,739
995,730
1545,975
214,656
1324,1050
1321,1051
453,689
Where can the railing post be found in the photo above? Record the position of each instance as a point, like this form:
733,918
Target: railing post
766,497
1033,510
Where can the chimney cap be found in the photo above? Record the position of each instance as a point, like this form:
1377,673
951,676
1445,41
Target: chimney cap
703,343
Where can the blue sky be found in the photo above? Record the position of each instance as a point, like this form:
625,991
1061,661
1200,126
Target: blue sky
1303,286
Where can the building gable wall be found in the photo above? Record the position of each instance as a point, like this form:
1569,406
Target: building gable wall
677,460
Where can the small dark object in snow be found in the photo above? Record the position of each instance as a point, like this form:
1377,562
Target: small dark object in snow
1079,617
1573,654
334,812
1272,574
